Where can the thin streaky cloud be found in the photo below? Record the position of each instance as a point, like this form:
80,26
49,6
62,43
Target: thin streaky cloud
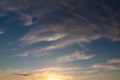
91,71
74,57
106,67
58,69
60,43
65,39
113,61
70,31
38,35
22,74
1,32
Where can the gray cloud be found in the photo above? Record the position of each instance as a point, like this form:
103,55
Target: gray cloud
2,31
22,74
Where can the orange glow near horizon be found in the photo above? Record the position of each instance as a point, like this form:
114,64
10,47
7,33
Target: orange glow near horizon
54,77
49,76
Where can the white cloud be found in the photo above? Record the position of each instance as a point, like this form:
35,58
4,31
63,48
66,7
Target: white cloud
60,37
91,71
112,61
74,57
109,65
36,38
72,30
2,32
35,52
106,67
54,46
57,69
39,34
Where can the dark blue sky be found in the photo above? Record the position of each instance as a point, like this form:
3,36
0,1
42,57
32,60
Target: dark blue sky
77,39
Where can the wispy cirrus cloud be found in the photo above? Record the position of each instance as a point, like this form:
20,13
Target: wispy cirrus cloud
106,67
113,61
42,73
22,74
63,36
62,72
59,37
2,31
38,35
58,69
64,23
74,57
45,70
109,65
2,15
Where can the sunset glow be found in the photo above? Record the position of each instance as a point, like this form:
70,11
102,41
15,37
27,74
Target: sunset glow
53,77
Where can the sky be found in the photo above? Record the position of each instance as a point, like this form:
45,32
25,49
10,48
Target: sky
59,40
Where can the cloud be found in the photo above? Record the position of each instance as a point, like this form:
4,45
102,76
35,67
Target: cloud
2,32
58,69
35,36
74,57
16,7
2,15
91,71
68,73
106,67
112,64
42,73
55,69
53,46
58,36
22,74
113,61
9,71
63,23
27,19
35,52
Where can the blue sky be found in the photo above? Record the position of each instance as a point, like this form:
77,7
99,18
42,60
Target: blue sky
60,39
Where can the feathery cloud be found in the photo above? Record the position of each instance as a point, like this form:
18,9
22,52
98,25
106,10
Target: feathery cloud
74,57
113,61
22,74
39,35
2,32
64,23
106,67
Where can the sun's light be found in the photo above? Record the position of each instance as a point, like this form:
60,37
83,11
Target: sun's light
53,77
